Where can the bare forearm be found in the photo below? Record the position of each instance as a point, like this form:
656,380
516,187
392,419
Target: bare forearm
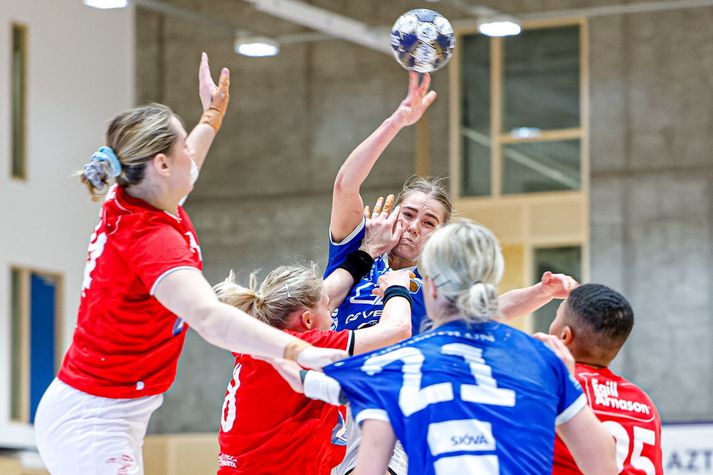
199,140
337,285
394,326
520,302
231,329
357,166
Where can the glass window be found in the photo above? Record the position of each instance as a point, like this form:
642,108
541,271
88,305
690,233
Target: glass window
530,167
18,112
520,129
475,121
541,79
559,260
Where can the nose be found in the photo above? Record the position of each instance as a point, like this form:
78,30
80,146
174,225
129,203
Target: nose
414,227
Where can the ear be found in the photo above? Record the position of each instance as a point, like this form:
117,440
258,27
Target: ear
307,319
161,164
567,335
432,286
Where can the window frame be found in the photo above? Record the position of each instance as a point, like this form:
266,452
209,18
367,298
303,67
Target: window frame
497,136
514,218
20,396
18,165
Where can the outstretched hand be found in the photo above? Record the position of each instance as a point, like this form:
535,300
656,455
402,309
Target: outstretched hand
557,286
559,348
383,228
418,99
214,98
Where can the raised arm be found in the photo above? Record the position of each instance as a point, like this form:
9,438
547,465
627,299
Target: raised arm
347,204
214,99
520,302
187,294
383,231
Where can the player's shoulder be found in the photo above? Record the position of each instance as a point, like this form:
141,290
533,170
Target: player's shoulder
323,338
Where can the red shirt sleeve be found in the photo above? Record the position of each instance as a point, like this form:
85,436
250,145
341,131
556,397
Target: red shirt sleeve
156,248
341,340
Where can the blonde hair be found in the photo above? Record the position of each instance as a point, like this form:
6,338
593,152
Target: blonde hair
465,263
284,290
433,187
136,136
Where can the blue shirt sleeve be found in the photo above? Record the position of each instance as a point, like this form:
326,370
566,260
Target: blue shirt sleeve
571,397
339,251
366,394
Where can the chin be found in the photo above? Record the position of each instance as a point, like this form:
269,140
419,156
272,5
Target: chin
406,252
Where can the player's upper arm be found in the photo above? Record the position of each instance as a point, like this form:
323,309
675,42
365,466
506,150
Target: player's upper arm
185,292
589,442
377,445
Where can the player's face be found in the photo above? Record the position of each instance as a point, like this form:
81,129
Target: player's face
420,216
322,317
181,156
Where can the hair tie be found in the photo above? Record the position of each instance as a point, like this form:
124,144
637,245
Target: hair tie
106,154
287,288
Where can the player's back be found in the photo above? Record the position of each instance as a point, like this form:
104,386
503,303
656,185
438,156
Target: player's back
628,414
480,399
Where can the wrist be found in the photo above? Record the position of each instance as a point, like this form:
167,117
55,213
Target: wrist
212,117
358,264
372,251
394,122
293,349
394,291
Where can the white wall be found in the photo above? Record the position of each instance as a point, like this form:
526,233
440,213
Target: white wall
80,73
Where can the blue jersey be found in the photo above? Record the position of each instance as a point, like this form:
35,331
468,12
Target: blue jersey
361,308
465,398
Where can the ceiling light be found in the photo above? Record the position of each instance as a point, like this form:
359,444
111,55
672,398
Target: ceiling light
500,25
256,46
105,4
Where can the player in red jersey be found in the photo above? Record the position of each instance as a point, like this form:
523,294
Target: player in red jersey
266,427
594,322
142,281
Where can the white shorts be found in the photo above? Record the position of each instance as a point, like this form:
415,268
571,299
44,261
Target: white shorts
398,465
78,433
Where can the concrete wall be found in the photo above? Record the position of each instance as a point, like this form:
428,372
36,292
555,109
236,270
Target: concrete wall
652,171
264,195
80,73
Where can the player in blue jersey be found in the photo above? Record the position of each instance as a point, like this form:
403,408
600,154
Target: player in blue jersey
472,395
424,207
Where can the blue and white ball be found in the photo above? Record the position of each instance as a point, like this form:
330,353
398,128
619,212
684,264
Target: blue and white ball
422,40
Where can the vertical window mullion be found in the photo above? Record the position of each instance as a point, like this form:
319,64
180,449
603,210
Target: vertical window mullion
496,111
20,346
19,102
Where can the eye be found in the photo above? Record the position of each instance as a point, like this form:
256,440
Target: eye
408,214
430,224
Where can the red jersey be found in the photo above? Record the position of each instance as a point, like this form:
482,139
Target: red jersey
267,428
126,344
630,417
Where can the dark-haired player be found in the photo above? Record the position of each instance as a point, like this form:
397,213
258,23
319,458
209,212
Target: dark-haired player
594,322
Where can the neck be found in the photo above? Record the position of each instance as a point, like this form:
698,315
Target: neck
396,262
153,195
593,364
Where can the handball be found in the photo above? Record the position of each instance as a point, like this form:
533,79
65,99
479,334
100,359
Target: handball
422,40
